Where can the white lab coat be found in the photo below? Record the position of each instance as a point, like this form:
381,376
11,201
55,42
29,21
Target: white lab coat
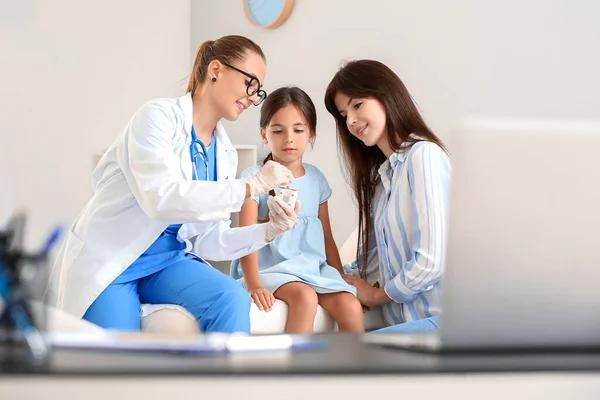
142,184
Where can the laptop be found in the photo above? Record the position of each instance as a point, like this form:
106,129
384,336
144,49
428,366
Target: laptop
523,255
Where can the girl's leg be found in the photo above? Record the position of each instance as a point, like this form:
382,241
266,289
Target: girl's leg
302,303
423,325
218,302
345,309
117,307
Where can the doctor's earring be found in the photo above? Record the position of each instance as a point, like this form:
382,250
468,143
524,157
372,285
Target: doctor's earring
214,79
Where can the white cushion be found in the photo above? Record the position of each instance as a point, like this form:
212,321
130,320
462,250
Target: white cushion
170,318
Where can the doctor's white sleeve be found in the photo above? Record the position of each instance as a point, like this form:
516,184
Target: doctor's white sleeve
153,172
429,180
219,242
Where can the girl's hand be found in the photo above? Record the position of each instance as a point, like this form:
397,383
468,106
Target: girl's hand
263,299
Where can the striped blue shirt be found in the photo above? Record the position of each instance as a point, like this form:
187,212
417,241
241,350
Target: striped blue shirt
407,246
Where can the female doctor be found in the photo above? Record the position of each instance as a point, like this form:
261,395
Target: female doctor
163,194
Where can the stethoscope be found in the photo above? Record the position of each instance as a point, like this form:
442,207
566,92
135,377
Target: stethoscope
194,154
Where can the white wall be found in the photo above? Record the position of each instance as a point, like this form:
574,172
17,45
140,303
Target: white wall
511,57
72,74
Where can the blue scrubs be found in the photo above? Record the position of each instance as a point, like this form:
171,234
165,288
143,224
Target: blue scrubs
166,274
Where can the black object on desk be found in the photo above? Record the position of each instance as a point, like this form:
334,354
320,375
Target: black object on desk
18,270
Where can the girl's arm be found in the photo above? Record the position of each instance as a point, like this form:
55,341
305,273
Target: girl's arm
331,251
249,216
263,299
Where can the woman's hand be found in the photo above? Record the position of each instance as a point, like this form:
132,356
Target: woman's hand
263,299
369,296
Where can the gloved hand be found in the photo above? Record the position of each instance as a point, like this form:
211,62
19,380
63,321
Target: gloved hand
281,218
272,174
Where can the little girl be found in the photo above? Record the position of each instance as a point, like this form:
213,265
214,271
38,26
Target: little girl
301,267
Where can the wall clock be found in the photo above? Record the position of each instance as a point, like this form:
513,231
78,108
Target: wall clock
268,14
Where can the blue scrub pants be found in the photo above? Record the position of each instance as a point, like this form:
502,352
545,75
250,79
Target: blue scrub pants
421,325
217,301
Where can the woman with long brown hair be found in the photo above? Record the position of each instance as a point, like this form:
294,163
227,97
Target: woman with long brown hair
399,171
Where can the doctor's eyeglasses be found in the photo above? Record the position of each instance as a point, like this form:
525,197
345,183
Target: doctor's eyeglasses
252,86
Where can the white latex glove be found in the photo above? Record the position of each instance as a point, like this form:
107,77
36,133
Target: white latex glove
281,218
272,174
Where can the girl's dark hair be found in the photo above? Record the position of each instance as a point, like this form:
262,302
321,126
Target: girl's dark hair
226,50
373,79
283,97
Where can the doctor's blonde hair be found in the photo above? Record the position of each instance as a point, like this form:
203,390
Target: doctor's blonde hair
226,50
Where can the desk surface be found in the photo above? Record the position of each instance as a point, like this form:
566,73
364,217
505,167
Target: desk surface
345,354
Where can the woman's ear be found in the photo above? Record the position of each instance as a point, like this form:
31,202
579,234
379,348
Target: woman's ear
213,72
